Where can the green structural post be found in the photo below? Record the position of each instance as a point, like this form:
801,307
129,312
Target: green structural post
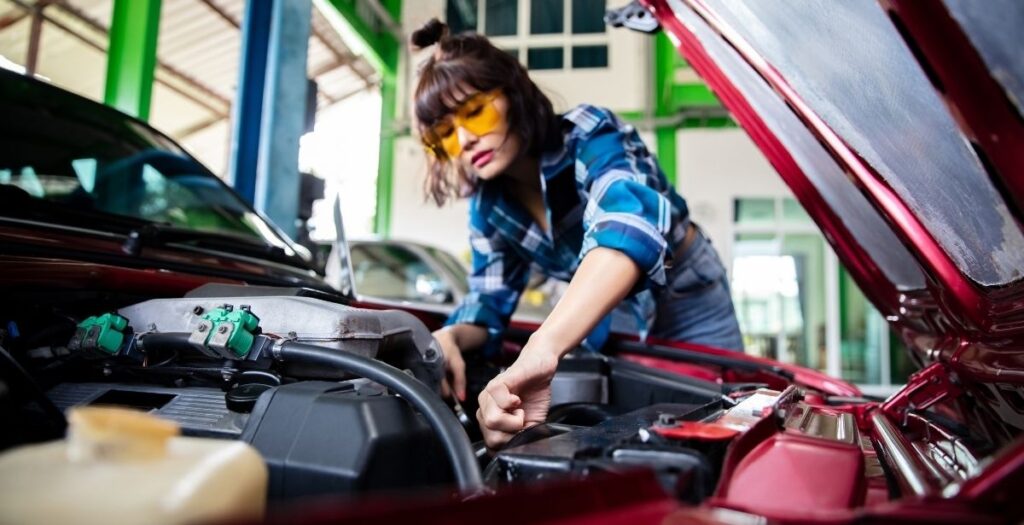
382,51
131,56
388,106
664,79
386,159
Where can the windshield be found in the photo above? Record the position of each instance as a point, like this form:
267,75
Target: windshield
85,158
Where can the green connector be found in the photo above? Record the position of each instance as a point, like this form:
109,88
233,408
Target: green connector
106,330
241,324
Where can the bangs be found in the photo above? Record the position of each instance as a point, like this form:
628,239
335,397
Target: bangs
442,89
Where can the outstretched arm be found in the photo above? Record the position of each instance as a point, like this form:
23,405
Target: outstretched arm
520,397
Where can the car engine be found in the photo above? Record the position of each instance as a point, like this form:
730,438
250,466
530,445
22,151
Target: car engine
341,400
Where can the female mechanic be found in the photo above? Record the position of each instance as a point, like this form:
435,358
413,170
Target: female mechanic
577,196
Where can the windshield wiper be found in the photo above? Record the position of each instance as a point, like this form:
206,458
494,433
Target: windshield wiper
156,234
140,232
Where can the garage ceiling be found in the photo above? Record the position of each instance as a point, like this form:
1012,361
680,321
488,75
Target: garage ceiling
198,56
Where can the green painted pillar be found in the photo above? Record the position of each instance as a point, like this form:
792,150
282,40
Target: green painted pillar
131,56
388,110
664,79
386,159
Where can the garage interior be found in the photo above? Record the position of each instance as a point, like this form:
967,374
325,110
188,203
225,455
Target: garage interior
229,291
182,65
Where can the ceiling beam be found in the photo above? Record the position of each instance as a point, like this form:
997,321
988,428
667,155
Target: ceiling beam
171,70
103,49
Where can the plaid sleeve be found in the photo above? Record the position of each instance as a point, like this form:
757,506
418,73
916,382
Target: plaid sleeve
628,208
499,275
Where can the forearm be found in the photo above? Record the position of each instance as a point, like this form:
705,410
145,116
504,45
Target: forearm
602,281
468,337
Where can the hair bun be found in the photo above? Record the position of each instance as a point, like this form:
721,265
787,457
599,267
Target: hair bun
431,33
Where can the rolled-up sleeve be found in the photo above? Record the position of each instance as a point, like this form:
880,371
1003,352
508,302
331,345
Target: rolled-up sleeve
498,277
627,208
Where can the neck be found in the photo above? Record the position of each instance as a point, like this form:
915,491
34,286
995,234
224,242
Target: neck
524,173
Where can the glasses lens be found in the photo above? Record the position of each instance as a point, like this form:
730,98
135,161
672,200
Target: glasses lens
479,116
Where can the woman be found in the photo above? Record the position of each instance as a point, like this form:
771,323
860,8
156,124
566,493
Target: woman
577,196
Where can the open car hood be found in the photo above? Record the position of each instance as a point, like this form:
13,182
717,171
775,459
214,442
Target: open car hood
873,115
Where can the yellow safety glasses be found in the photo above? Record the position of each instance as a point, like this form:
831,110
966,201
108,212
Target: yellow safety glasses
477,115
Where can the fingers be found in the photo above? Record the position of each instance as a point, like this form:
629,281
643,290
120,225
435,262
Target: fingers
457,374
446,390
501,395
494,439
500,415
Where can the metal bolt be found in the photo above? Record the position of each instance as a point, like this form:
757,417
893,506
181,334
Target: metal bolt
430,353
245,308
223,329
198,310
202,328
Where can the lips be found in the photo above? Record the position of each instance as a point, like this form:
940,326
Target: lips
481,159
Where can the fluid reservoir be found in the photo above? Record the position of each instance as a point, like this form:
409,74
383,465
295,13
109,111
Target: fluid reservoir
124,466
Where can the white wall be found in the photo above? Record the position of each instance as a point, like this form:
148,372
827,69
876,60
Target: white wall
716,166
414,218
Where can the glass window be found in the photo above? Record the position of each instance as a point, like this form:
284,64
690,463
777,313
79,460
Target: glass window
545,58
829,52
793,212
462,15
755,211
394,272
453,266
502,17
589,56
547,16
588,16
779,292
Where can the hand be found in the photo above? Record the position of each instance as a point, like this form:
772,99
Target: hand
454,365
519,397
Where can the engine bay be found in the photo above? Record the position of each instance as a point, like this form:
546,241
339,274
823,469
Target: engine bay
273,367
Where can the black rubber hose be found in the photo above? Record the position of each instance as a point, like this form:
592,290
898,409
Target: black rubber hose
438,415
440,418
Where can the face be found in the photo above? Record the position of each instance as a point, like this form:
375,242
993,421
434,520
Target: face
476,134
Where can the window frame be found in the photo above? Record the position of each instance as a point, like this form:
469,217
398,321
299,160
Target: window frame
523,40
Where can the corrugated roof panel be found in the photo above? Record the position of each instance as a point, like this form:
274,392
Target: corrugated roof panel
195,40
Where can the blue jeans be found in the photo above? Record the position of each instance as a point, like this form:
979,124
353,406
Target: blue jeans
696,305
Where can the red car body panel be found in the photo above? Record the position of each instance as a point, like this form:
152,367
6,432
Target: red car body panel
972,338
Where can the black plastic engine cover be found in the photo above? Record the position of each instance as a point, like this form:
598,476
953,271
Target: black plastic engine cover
689,471
330,438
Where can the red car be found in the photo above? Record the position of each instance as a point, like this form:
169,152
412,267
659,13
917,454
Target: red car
899,128
899,125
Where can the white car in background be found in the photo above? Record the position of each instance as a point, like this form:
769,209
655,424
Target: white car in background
408,273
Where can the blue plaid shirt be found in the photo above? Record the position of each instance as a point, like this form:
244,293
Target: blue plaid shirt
601,188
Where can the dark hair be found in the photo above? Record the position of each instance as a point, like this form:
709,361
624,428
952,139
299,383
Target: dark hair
472,60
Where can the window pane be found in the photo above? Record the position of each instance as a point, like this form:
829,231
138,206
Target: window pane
829,52
755,212
547,16
545,58
589,56
778,287
588,16
502,17
462,15
794,213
